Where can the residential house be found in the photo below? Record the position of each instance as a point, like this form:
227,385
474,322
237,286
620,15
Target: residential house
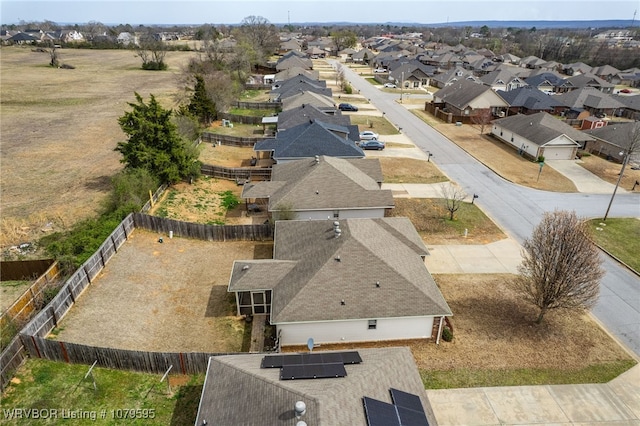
545,82
363,56
452,76
374,381
508,58
304,113
529,100
126,39
284,75
346,55
323,102
502,79
290,45
591,100
285,89
466,98
576,68
343,281
532,62
23,38
605,72
323,188
294,61
631,107
613,140
587,80
413,74
310,139
540,134
629,77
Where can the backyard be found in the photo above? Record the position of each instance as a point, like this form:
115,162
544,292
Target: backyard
168,296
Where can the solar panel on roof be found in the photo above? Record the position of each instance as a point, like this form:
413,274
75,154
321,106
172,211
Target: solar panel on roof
278,361
411,418
351,357
380,413
332,357
406,400
312,371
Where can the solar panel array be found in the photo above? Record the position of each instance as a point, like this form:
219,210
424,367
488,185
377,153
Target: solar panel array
406,410
312,365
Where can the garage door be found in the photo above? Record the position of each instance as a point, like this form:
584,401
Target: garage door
553,153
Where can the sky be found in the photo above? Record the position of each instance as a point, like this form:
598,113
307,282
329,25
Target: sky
299,11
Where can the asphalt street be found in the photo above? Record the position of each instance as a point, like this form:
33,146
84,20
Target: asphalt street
517,209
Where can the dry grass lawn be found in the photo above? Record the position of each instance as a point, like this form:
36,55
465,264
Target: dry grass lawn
224,155
494,330
163,297
610,171
59,128
502,159
409,170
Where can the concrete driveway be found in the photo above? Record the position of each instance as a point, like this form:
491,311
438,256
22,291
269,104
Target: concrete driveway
584,180
500,257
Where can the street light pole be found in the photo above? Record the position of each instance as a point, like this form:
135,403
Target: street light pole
624,164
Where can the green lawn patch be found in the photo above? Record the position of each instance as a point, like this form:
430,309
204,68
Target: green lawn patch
252,112
469,378
47,386
376,123
620,237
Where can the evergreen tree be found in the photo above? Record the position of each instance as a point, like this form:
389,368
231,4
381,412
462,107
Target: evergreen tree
153,143
201,105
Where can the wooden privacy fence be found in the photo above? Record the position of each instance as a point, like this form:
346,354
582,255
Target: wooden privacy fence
10,359
24,269
244,119
156,196
24,307
142,361
200,231
259,105
229,140
230,173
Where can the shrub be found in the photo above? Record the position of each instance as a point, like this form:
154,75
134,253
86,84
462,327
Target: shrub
447,334
348,89
540,159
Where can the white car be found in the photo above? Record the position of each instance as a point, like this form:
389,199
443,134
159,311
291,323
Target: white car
390,85
368,136
379,70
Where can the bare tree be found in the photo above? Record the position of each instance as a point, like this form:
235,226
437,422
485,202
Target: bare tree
453,197
482,118
53,53
561,266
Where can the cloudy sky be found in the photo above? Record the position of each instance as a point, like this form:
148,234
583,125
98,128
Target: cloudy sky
281,12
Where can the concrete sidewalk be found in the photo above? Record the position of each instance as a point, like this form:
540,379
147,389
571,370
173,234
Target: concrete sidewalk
613,403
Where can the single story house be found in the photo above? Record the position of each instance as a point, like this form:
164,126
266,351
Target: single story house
466,98
323,102
613,139
375,381
349,280
592,100
309,139
529,100
503,79
540,134
323,188
452,76
304,113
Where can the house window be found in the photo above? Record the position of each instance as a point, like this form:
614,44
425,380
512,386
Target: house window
336,214
373,324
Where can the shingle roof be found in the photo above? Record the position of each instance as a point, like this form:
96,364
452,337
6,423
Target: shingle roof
384,250
329,402
331,184
304,113
587,80
461,93
310,139
590,97
540,128
552,78
308,98
616,133
531,98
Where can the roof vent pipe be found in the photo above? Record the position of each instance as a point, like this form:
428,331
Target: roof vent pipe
300,409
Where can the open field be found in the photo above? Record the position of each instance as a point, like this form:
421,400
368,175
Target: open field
59,128
169,296
45,385
496,342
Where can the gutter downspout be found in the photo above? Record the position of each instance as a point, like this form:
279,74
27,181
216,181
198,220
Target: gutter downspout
439,330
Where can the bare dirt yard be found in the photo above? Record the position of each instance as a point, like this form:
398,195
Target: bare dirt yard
59,128
494,330
169,296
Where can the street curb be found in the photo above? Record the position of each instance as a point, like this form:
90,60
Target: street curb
616,259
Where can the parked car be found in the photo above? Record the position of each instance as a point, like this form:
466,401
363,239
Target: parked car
379,70
347,107
625,91
390,85
372,144
368,135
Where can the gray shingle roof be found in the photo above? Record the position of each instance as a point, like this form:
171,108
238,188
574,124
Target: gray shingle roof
384,250
461,93
340,184
310,139
308,98
589,97
530,98
238,392
618,134
304,113
540,128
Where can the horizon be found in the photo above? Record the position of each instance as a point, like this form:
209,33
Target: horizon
300,12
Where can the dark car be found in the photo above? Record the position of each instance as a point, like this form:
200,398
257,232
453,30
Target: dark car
347,107
372,144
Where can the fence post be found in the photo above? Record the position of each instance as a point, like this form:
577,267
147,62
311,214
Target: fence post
53,315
